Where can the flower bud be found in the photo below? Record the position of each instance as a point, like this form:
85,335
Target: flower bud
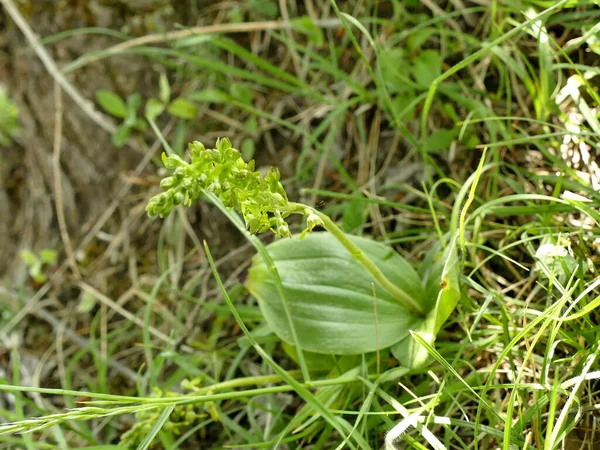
168,182
172,161
196,149
278,198
283,230
313,220
223,144
178,198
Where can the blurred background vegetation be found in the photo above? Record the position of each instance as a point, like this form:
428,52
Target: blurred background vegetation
375,112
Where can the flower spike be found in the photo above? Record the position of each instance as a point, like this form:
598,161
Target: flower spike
222,171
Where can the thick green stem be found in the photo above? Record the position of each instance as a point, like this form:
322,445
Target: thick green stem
400,295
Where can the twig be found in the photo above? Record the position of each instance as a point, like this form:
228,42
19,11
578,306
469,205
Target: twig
469,18
26,309
34,300
60,212
225,28
286,21
51,67
129,316
83,343
58,327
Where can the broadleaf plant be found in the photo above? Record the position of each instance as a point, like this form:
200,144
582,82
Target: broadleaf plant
331,280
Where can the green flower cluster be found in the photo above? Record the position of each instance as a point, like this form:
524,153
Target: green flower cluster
182,417
222,171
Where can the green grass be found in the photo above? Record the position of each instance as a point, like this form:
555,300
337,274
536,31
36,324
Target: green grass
469,98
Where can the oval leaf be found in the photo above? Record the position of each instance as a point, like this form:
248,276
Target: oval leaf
449,293
428,67
112,103
29,258
330,295
182,108
164,89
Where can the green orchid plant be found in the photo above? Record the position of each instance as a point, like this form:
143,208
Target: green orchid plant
330,279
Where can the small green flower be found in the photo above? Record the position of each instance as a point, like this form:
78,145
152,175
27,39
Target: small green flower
312,221
183,417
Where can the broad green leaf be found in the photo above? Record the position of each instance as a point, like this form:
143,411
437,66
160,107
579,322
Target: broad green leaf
450,285
112,103
442,282
442,269
314,361
261,334
154,108
330,295
408,351
182,108
427,67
